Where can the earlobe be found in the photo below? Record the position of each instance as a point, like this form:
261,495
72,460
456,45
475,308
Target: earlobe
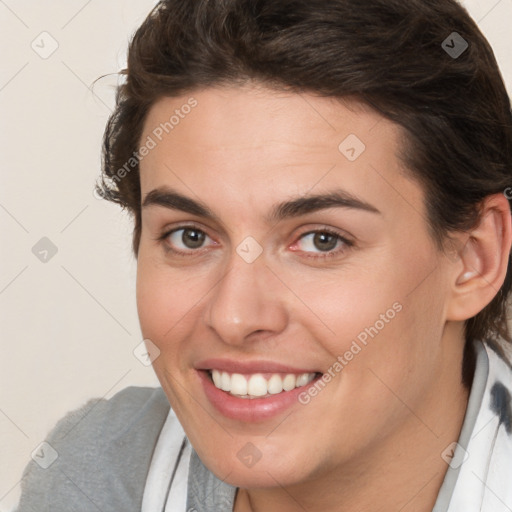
484,259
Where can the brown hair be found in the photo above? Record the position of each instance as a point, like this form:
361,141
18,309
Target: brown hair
400,57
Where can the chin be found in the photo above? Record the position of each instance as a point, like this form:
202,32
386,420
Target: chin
239,469
252,479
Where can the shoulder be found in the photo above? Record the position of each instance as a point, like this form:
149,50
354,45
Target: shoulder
101,451
116,416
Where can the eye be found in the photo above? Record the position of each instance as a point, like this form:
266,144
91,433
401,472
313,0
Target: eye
323,241
184,240
188,240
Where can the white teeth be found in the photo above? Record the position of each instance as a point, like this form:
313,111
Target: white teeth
238,384
275,385
225,382
257,385
289,382
302,380
217,379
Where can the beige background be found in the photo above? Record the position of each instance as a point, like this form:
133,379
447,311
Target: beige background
69,326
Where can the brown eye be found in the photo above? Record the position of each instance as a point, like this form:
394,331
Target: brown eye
319,241
186,238
192,238
325,241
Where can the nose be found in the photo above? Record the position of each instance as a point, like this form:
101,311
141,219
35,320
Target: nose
247,302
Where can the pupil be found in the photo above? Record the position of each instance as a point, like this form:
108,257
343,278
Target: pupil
192,238
324,241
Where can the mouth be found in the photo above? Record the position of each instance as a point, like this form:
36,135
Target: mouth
254,391
259,385
255,397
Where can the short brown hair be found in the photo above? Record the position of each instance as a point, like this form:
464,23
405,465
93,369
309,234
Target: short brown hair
394,55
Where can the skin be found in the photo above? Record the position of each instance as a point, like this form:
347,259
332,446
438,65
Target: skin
372,438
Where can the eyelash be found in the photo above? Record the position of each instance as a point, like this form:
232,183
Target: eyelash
328,254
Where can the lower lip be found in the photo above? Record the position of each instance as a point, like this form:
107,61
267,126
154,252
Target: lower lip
250,409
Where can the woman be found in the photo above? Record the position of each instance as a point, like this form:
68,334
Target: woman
322,231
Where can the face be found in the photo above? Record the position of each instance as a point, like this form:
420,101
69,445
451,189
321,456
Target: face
283,245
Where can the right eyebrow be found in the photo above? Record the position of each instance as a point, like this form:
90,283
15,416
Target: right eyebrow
168,198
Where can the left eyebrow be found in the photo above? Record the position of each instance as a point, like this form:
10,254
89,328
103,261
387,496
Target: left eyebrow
171,199
313,203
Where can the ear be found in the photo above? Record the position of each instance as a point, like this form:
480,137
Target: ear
481,266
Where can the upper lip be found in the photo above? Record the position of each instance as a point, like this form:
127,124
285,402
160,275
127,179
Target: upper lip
257,366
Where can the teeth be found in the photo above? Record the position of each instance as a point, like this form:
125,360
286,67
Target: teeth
302,380
217,378
257,385
238,384
225,382
275,385
289,382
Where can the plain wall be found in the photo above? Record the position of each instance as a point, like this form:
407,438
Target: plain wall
69,325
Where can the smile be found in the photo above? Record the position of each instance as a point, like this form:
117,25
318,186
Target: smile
258,385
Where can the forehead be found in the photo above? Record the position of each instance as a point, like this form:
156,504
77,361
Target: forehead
249,117
251,141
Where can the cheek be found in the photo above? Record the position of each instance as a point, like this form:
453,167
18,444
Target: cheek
170,302
161,306
401,358
162,301
152,303
387,318
164,295
351,304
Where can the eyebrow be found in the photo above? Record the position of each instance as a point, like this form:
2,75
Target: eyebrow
169,198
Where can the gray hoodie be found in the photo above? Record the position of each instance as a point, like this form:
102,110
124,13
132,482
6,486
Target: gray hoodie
104,453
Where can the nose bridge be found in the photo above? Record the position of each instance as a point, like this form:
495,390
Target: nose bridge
246,299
